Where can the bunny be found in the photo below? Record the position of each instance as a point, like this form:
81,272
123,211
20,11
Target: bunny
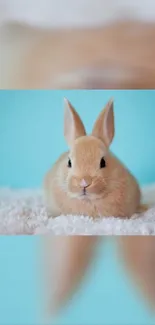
89,180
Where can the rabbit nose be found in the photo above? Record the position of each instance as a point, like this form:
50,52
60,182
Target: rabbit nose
85,182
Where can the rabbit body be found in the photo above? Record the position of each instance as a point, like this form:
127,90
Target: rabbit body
89,180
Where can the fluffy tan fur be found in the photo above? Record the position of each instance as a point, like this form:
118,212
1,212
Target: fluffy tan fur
110,191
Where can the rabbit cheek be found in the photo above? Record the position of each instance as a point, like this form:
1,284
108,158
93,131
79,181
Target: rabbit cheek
98,187
73,186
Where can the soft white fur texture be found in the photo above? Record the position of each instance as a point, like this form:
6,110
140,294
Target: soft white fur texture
22,212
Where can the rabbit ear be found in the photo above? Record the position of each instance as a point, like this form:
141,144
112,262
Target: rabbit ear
104,127
73,126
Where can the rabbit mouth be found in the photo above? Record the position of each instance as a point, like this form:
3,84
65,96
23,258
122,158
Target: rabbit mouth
84,195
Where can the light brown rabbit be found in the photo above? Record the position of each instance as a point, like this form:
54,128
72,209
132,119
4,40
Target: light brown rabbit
89,180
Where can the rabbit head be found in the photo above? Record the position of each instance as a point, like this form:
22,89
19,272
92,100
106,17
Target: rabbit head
89,165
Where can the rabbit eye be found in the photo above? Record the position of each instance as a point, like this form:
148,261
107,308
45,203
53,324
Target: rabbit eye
102,163
69,163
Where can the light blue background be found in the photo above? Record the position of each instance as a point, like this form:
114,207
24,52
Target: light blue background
20,297
31,131
31,138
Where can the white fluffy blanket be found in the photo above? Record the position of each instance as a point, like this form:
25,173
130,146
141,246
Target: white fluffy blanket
24,212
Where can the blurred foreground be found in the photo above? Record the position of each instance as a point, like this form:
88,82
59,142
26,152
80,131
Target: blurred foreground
68,260
119,55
